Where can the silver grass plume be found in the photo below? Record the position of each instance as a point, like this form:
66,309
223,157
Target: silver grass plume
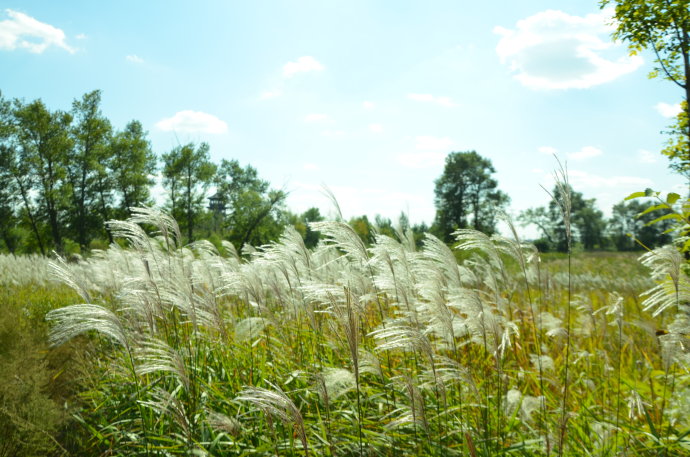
274,403
168,404
154,355
334,383
400,335
250,328
74,320
516,402
436,251
166,225
343,236
223,423
66,275
394,275
673,287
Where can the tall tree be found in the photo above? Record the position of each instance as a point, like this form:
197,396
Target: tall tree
8,190
88,177
629,229
187,174
16,178
132,163
255,211
586,221
466,196
44,145
664,27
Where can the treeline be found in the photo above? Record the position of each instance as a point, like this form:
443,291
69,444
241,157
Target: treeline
467,196
63,174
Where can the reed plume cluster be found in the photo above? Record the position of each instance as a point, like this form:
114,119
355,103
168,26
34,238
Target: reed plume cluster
350,349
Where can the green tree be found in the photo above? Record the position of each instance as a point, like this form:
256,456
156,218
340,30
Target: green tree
466,196
16,179
88,177
311,237
586,221
44,143
132,163
628,224
664,27
187,174
255,212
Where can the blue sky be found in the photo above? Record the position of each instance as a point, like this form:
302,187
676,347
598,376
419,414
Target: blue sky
366,97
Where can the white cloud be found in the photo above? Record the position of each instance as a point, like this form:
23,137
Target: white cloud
81,36
376,128
444,101
304,64
317,117
24,32
422,159
433,152
586,152
667,110
134,58
555,50
644,156
582,179
310,167
368,105
433,143
193,122
547,150
267,95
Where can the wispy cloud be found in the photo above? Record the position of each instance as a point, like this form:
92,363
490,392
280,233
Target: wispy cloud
587,152
547,150
555,50
22,31
443,101
583,179
368,105
81,36
134,59
644,156
303,65
433,151
376,128
192,122
668,110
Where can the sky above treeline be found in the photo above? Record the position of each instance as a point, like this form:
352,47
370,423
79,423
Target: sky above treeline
365,97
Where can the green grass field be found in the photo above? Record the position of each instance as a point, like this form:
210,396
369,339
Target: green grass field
160,349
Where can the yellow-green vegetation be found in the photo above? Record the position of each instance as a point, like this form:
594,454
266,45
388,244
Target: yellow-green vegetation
350,349
37,383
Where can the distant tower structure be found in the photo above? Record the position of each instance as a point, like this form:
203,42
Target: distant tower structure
216,203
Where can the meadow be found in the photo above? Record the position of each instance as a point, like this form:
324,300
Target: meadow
483,348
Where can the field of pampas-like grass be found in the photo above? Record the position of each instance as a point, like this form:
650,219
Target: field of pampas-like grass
483,349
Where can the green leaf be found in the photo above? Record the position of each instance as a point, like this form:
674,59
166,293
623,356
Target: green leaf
665,217
672,197
653,208
636,195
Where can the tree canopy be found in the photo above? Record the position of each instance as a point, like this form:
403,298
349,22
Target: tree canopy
662,26
466,196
